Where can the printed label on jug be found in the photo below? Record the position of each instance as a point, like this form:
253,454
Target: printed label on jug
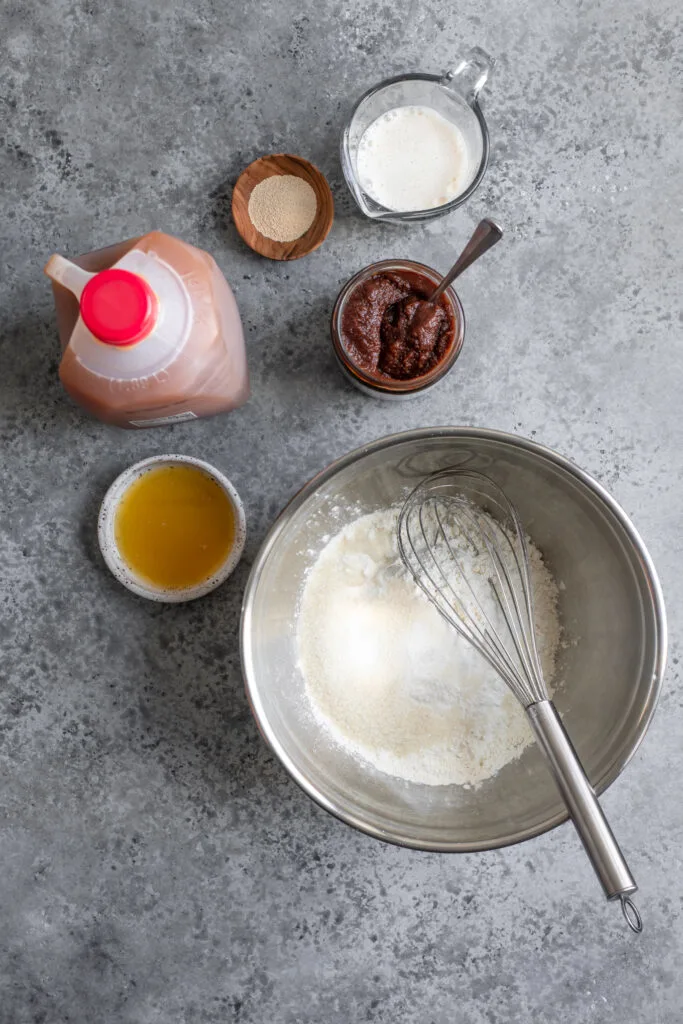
179,417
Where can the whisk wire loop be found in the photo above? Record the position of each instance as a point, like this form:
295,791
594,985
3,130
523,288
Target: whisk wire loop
444,518
488,635
516,602
417,549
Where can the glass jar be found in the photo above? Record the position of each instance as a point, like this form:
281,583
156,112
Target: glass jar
454,95
377,385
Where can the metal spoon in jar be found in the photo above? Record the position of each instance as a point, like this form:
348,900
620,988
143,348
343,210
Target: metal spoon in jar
423,318
486,234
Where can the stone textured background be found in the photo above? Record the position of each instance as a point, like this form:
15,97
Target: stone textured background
157,865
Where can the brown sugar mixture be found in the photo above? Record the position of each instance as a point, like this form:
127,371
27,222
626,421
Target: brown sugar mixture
388,329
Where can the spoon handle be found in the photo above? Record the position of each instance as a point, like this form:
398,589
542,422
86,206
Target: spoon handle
486,234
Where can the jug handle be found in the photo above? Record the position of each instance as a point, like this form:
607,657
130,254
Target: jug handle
470,76
68,274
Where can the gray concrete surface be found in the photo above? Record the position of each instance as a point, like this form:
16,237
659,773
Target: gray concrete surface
156,863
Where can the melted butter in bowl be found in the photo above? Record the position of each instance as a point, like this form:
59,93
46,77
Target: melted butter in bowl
172,528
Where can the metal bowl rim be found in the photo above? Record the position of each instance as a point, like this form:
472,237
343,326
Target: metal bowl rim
427,434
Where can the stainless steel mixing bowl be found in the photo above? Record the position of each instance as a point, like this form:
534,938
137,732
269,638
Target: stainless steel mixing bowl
610,669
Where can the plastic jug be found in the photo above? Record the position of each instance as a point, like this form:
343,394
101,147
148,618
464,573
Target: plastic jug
150,332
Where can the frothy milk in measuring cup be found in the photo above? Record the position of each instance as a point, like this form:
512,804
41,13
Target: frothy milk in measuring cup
413,158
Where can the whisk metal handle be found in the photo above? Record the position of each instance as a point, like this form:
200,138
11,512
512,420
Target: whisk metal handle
584,808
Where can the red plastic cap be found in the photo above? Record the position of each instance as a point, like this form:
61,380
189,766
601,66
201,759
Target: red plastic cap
119,307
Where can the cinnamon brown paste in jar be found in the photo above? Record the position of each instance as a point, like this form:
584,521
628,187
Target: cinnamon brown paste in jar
390,330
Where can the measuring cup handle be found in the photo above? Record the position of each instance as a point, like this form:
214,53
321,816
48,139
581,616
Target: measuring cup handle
470,76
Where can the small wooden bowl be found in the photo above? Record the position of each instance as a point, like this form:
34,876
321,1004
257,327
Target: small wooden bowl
266,167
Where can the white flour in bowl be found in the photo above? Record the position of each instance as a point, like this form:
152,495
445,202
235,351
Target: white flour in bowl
391,680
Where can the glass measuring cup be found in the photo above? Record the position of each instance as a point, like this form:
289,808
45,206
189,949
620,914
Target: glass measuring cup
454,96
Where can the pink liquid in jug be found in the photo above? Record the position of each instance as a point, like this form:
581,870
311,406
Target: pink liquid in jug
150,332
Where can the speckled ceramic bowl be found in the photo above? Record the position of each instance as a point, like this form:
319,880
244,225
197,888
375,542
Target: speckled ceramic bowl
107,538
